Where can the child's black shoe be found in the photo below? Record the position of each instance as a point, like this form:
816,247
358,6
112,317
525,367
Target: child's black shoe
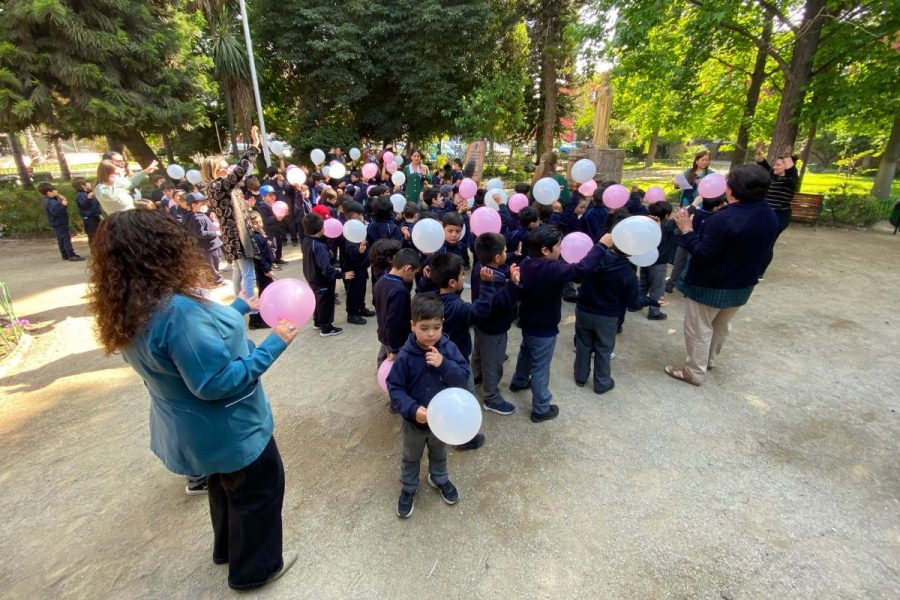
474,444
405,503
356,320
518,388
330,331
448,491
658,317
547,416
366,313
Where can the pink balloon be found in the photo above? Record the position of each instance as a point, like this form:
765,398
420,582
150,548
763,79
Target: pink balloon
383,371
575,246
289,299
280,209
615,196
289,167
333,228
369,170
485,220
388,157
655,194
587,188
712,186
517,202
391,167
467,188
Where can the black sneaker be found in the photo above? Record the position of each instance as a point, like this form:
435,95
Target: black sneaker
356,320
281,261
75,258
604,390
670,287
448,490
580,383
366,313
405,503
658,317
474,444
197,488
518,388
547,416
619,330
330,331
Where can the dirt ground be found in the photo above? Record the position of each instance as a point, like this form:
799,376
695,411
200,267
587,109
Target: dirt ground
778,478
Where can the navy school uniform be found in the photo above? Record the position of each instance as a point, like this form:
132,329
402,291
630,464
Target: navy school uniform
91,214
377,230
358,262
392,311
321,275
58,219
423,283
492,330
594,221
459,316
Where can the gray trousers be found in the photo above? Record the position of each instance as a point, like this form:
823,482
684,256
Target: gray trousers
594,334
414,442
653,283
678,264
487,363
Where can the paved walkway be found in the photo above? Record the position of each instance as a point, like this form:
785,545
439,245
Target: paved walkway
776,479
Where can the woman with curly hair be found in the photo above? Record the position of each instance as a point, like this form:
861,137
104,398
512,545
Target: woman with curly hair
208,411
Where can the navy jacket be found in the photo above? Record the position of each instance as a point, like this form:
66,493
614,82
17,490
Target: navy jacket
459,316
668,243
266,256
390,295
503,305
413,383
88,207
354,260
424,284
202,227
611,288
593,221
730,250
271,225
379,230
542,283
57,215
317,267
505,218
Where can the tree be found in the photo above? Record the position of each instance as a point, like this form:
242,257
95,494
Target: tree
97,67
16,147
888,165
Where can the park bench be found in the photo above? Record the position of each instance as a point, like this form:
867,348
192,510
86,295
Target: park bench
805,208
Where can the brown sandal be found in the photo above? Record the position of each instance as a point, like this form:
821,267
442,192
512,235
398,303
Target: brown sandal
678,373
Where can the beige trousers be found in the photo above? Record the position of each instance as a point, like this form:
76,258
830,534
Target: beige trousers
705,331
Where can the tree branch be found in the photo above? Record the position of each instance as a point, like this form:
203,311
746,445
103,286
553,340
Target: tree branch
778,14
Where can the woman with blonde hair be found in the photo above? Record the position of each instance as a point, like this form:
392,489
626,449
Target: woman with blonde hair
113,189
228,204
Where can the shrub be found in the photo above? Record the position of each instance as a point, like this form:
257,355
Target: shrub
858,210
22,212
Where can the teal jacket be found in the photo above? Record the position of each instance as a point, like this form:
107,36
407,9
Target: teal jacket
208,411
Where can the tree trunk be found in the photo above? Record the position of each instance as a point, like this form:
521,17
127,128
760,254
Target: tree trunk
491,155
167,146
796,80
229,116
65,173
34,152
888,165
114,143
511,165
654,148
741,145
16,147
549,85
807,151
137,145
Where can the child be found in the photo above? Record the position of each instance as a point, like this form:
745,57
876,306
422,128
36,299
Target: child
392,308
594,220
382,227
275,229
168,194
515,241
707,207
159,182
653,278
433,202
179,208
58,219
355,258
381,253
321,275
199,224
491,331
543,277
428,363
88,206
604,295
262,264
409,216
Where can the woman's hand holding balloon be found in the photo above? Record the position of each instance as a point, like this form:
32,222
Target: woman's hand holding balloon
252,301
286,331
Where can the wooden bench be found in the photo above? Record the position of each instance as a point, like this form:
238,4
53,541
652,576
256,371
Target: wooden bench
806,208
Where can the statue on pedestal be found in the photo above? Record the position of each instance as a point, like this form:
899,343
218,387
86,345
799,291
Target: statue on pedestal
602,98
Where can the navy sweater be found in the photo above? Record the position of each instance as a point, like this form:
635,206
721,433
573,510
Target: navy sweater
202,227
354,260
593,221
379,230
392,311
611,288
668,243
424,284
542,283
266,256
317,267
88,207
459,316
57,215
730,250
503,305
413,383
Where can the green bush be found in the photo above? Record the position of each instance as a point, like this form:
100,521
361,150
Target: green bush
858,210
22,212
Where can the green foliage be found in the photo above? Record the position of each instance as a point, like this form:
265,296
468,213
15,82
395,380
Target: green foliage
22,212
858,210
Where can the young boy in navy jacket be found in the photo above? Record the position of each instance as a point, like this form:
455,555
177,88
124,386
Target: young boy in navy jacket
452,223
604,296
491,331
543,277
392,306
58,219
594,220
355,258
321,275
201,226
427,364
263,263
88,206
653,278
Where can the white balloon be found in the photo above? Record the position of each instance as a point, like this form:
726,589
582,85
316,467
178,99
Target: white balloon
355,153
398,201
193,176
326,171
491,203
276,147
584,170
296,176
354,231
494,183
175,171
317,156
399,160
337,170
454,416
398,178
645,260
637,235
470,202
546,190
288,152
428,236
497,194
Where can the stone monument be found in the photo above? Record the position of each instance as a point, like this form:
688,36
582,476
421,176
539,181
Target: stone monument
609,161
